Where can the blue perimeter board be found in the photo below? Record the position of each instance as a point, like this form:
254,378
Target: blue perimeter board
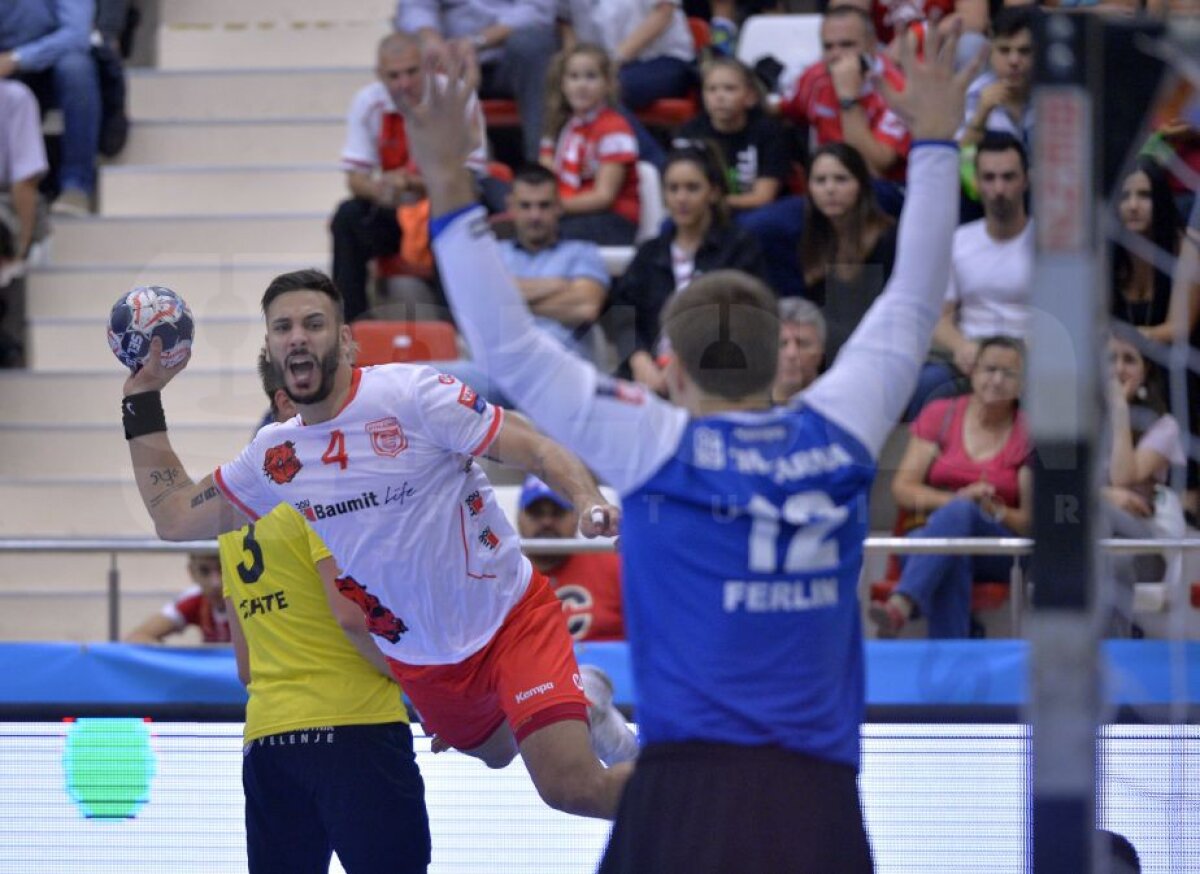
913,674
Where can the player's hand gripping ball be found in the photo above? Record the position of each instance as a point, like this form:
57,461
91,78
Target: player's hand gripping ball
146,312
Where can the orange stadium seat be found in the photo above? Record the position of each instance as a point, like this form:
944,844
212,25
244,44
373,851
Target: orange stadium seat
383,342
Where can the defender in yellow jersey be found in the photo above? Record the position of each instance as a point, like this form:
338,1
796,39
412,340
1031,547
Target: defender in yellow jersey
328,763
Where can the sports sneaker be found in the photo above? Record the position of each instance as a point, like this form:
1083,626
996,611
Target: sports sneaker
611,737
889,619
72,202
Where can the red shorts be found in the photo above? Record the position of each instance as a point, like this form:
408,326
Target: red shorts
526,674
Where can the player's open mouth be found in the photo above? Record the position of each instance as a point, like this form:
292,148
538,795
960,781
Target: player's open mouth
302,370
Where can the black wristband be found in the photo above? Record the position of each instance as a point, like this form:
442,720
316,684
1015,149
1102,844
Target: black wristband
142,414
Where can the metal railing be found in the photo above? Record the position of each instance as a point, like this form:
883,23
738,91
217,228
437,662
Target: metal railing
1016,547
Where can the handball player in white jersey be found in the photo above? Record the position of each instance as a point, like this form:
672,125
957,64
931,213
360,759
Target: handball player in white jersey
743,522
380,461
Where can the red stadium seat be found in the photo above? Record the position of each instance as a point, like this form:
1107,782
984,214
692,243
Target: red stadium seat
671,112
985,594
385,342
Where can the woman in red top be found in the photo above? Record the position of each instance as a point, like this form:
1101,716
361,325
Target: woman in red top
967,467
591,149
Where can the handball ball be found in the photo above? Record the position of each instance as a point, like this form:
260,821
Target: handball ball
146,312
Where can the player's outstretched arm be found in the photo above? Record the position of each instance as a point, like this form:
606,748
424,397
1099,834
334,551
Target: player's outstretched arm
875,374
522,446
621,432
181,509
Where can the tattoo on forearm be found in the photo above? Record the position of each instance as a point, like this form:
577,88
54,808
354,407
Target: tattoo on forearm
167,476
167,492
209,494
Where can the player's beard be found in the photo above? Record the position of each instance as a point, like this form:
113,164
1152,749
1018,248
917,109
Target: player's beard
327,366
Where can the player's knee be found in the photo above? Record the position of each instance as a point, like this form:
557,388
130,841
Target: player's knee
575,792
497,759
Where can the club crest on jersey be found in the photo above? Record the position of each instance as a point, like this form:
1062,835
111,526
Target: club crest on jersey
471,400
445,379
474,502
281,464
488,538
387,437
619,390
380,620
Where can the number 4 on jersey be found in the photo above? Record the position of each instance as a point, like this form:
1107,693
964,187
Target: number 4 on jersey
335,452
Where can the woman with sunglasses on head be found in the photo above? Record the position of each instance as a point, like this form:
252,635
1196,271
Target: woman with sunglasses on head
698,239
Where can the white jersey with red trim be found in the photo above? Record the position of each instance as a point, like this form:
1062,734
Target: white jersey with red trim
390,485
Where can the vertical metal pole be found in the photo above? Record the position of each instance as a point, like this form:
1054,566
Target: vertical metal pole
1064,396
114,599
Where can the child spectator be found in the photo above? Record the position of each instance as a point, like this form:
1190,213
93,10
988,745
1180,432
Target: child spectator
591,149
752,143
201,604
699,239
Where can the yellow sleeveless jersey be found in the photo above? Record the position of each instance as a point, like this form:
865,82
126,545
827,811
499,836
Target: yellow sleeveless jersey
304,672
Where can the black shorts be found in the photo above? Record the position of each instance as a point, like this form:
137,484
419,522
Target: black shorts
353,789
707,808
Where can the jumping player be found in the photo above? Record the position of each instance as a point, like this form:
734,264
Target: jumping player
744,523
381,462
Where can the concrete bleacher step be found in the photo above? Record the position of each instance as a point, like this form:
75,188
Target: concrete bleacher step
191,239
261,189
64,596
58,344
262,95
276,142
270,43
231,396
76,509
239,11
210,290
98,451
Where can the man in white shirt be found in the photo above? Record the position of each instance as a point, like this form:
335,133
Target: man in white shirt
513,39
992,270
380,174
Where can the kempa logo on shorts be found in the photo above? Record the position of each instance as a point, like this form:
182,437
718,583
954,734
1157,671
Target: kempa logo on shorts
536,690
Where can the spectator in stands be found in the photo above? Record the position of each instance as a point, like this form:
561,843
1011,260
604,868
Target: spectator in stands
591,149
1185,299
1142,291
22,165
588,584
201,604
965,473
47,46
849,243
648,41
992,270
381,176
699,239
513,39
801,348
837,97
1001,99
752,143
564,282
1146,441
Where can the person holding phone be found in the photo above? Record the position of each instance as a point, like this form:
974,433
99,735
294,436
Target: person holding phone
838,97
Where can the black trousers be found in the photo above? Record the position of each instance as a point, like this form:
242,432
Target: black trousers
361,231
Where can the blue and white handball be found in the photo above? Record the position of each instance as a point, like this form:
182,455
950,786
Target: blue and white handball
146,312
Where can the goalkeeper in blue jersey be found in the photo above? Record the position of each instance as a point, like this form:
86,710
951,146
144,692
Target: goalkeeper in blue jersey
744,522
